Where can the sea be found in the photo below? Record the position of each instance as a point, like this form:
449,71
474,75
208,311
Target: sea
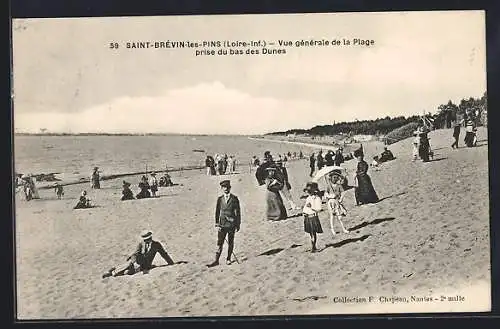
73,157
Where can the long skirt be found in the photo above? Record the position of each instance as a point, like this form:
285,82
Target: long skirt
423,151
364,192
275,209
312,225
469,139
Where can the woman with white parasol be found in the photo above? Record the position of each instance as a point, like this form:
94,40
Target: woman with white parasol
335,179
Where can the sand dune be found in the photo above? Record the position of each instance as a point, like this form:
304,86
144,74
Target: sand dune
428,235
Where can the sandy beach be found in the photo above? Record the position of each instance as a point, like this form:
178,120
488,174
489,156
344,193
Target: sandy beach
427,237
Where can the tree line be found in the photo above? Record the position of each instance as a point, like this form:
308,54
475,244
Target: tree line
444,117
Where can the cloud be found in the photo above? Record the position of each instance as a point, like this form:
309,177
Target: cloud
209,108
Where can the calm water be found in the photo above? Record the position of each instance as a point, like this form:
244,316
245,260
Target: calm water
77,155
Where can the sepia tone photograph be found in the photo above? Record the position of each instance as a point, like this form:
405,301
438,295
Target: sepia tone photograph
250,165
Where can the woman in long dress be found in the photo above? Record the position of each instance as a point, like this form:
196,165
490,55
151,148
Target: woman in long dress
275,209
364,191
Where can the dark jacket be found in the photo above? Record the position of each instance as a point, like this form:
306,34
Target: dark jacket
228,215
261,173
145,259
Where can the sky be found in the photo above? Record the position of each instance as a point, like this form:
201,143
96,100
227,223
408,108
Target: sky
67,79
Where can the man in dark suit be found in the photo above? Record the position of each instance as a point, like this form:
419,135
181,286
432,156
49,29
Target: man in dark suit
142,258
227,221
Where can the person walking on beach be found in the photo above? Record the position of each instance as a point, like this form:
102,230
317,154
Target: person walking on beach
319,160
456,134
364,191
260,172
335,195
312,207
312,165
275,209
153,184
59,191
286,185
127,192
95,184
229,166
210,165
227,221
424,145
339,157
142,258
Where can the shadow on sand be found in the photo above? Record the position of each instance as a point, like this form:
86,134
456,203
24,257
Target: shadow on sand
391,196
344,242
373,222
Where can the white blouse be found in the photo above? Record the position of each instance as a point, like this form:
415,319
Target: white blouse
313,205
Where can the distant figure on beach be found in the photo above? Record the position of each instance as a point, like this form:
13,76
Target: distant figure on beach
144,189
312,164
261,173
339,157
229,166
312,207
416,143
424,145
286,185
364,191
127,192
219,159
386,156
83,202
95,184
142,258
301,155
29,187
59,191
227,221
275,209
456,134
255,161
335,195
210,165
470,133
233,167
166,180
329,158
153,184
319,160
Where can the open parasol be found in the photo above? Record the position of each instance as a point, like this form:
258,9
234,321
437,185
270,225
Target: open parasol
327,170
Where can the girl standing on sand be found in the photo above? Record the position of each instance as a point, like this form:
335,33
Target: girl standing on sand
364,191
313,205
275,209
335,196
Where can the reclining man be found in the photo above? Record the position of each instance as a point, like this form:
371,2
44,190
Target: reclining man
142,258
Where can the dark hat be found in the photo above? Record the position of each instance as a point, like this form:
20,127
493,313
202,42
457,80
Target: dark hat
95,168
225,183
125,183
311,186
358,152
146,234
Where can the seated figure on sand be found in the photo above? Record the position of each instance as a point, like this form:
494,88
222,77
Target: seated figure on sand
386,155
127,192
144,187
142,258
166,180
83,201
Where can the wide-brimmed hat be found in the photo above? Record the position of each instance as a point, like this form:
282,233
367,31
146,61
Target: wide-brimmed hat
311,187
225,183
146,234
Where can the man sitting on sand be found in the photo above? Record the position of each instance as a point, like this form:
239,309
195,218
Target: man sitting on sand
386,155
142,258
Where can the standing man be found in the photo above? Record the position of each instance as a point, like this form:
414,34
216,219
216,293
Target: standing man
227,221
320,161
312,160
456,134
95,179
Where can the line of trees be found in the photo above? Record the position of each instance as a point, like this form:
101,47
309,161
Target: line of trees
444,117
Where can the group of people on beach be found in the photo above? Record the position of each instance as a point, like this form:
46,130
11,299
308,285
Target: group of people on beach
274,177
330,158
220,164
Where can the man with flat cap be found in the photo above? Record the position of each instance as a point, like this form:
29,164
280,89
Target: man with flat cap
227,221
142,258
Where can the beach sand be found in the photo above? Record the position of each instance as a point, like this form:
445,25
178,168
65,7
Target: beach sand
428,236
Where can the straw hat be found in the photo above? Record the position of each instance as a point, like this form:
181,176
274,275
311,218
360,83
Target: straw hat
146,234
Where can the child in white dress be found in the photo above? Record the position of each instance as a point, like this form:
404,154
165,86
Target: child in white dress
335,195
